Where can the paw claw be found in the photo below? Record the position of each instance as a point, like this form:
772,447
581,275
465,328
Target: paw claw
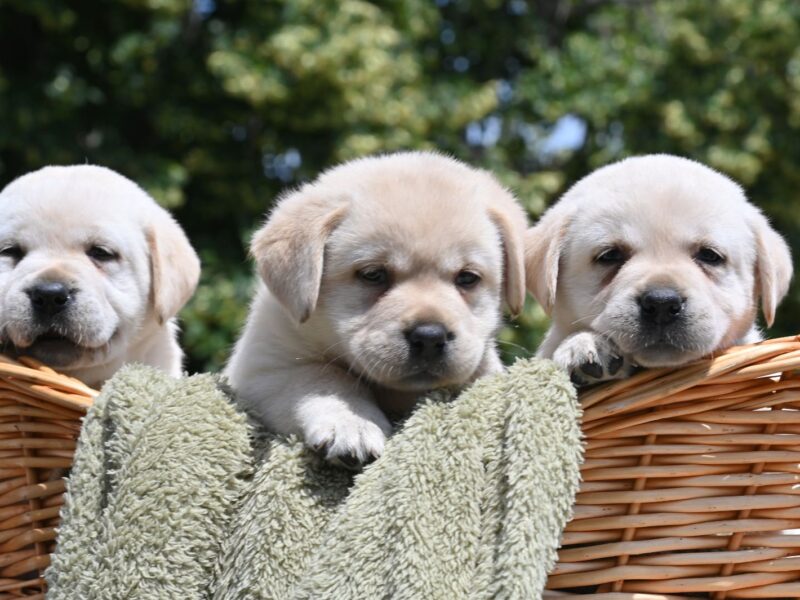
590,358
348,441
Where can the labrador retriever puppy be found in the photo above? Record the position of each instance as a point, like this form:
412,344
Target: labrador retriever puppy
382,279
653,261
92,273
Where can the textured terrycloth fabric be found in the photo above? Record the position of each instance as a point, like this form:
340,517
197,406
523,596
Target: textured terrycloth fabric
157,476
173,496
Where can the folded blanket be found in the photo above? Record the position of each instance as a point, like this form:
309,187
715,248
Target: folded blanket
174,494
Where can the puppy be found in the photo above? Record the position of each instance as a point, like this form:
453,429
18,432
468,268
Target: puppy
92,272
384,279
653,261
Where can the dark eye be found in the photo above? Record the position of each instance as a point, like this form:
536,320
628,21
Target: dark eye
12,251
373,275
611,256
467,279
709,256
101,253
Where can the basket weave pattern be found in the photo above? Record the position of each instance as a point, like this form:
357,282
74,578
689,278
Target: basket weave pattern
40,419
691,483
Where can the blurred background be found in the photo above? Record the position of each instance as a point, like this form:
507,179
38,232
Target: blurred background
215,106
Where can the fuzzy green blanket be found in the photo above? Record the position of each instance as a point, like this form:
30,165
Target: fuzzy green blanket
175,495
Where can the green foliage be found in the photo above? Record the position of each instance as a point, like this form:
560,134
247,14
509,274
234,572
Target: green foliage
215,107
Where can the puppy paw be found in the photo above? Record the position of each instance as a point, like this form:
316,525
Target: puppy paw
348,441
590,358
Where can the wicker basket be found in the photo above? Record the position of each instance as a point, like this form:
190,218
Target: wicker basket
40,418
691,484
691,480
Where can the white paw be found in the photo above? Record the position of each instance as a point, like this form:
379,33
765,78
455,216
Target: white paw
348,439
590,358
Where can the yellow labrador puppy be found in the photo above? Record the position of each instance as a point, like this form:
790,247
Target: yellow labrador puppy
652,261
384,278
92,272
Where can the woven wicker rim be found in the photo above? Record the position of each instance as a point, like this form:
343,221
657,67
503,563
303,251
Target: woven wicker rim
40,418
690,483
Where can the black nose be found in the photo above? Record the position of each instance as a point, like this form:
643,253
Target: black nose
428,340
50,298
660,306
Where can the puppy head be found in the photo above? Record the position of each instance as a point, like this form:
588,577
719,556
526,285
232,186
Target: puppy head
661,254
403,260
88,264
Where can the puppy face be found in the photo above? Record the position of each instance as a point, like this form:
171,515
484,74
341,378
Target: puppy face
660,254
415,301
88,262
411,259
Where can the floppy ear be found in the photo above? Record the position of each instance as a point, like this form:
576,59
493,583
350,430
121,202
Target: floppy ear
290,247
511,234
174,267
543,244
773,267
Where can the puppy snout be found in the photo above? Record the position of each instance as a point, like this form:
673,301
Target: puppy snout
661,306
49,298
428,341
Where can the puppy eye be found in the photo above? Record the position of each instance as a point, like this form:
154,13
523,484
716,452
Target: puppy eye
12,251
467,279
101,254
373,275
709,256
611,256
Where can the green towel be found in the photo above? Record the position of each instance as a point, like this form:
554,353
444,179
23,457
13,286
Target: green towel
175,495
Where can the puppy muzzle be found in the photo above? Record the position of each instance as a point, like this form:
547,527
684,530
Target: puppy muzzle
55,327
660,327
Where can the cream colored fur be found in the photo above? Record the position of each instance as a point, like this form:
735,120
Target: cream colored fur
122,310
324,354
661,211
